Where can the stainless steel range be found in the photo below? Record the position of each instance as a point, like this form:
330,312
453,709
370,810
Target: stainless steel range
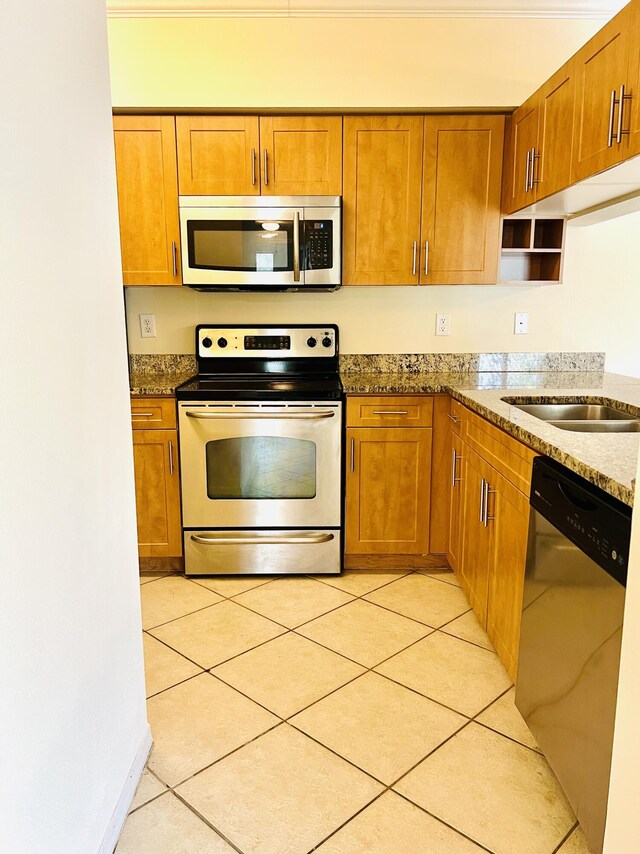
261,451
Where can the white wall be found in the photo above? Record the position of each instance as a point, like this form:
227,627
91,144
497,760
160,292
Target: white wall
595,309
72,714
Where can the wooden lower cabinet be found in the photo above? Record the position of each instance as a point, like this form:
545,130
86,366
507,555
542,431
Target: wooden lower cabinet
454,544
494,518
155,457
388,490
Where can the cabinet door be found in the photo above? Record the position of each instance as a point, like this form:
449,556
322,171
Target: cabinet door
145,149
456,487
552,168
381,200
521,138
508,511
218,155
461,200
601,68
476,537
388,487
301,155
155,457
631,116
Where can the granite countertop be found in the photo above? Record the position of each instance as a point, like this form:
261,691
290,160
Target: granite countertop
608,460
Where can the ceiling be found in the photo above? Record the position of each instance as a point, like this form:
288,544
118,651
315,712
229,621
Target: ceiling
366,8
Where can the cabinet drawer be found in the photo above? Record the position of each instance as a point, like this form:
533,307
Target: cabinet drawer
390,411
456,416
507,455
153,413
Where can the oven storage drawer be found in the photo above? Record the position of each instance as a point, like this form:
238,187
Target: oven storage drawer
262,552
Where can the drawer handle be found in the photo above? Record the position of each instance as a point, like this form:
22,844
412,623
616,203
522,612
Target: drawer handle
390,412
142,414
453,418
256,540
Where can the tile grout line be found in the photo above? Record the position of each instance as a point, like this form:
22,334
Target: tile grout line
207,822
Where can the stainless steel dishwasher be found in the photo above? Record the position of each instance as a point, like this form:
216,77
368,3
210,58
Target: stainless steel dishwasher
573,605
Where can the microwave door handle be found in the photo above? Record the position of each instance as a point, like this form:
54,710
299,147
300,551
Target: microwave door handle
296,246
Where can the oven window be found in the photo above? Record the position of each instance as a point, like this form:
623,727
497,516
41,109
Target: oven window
242,245
261,467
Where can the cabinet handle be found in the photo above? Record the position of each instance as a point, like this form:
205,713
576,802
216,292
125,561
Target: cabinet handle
266,168
415,257
170,457
454,419
623,98
426,257
487,492
174,255
482,485
612,107
390,412
248,538
454,460
353,448
532,179
141,415
526,173
253,166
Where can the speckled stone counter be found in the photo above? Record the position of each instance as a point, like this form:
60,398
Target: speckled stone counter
159,375
607,459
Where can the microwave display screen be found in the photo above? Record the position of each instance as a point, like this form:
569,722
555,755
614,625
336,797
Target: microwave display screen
242,245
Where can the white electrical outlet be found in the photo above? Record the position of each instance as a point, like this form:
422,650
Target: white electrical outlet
521,323
442,324
148,325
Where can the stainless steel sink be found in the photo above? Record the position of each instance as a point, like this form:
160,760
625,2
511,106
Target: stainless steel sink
582,417
574,412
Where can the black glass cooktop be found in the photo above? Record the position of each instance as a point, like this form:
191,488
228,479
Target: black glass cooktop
265,387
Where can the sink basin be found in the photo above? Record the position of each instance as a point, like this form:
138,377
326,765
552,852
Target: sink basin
581,417
574,412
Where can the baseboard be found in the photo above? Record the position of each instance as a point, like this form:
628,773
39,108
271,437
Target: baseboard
395,561
124,801
161,564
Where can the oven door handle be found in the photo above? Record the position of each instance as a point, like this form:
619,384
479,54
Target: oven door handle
239,539
322,413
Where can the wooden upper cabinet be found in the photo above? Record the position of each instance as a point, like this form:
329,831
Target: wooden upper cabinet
552,164
461,199
218,155
301,155
631,116
145,151
381,199
601,69
521,139
388,488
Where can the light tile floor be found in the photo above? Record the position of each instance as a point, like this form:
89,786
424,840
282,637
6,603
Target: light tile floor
363,713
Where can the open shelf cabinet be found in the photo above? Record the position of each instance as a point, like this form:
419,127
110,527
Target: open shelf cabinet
531,250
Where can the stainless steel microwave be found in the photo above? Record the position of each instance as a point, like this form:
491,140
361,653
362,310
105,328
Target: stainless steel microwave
261,242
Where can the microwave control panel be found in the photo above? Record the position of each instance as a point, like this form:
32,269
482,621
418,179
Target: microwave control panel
318,244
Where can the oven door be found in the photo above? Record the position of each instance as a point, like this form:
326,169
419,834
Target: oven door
241,246
260,466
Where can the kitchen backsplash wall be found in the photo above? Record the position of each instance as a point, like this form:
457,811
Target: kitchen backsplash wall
596,309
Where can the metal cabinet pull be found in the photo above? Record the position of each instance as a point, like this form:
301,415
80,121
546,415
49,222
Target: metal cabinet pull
353,454
454,459
253,166
526,174
426,257
321,413
390,412
170,457
249,539
142,415
482,485
623,98
174,255
415,257
612,107
453,418
266,168
296,246
532,179
487,492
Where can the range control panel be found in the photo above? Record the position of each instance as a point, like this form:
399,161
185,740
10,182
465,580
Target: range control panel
264,342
